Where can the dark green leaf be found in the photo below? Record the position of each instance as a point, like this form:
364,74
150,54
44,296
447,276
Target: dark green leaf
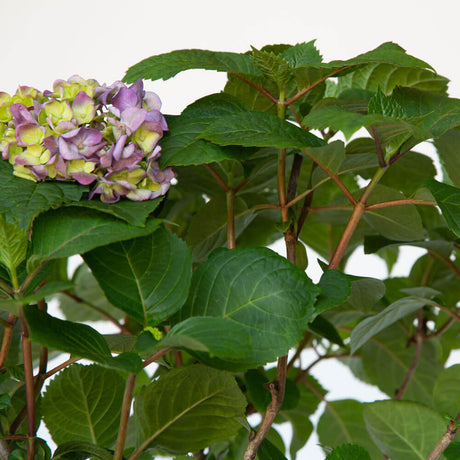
68,231
349,452
324,328
335,287
342,422
259,129
76,398
452,452
79,339
302,54
169,64
13,245
21,200
207,404
254,287
374,324
272,65
146,277
448,200
447,148
268,451
445,392
76,450
404,430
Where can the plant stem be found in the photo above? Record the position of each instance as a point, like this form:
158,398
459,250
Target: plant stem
126,407
386,204
7,336
446,439
30,387
216,176
355,217
56,369
257,87
154,357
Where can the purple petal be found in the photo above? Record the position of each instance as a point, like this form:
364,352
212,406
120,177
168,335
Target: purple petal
21,114
133,117
125,98
84,178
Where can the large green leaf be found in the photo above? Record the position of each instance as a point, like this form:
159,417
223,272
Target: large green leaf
390,347
21,200
79,450
336,288
265,294
188,408
348,452
78,339
259,129
447,148
167,65
73,230
342,422
208,227
146,277
404,430
445,393
374,324
83,403
448,200
401,223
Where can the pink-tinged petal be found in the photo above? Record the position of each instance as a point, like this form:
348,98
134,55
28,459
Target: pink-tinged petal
21,115
157,117
84,178
119,146
132,118
140,195
151,101
51,144
125,98
29,134
83,108
68,150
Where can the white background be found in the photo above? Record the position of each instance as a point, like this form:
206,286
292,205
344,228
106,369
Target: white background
49,39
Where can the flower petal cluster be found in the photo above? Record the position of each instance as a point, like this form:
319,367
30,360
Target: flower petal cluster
98,135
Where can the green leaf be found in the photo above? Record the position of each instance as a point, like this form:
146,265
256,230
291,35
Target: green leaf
452,452
78,339
78,450
302,54
331,156
322,327
445,392
21,200
448,200
342,422
134,212
261,291
220,337
390,347
86,288
401,223
259,129
268,451
336,288
349,452
146,277
404,430
167,65
13,245
207,404
76,398
272,65
72,230
374,324
208,227
447,148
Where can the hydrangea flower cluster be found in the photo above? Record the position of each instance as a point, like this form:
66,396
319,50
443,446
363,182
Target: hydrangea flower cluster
91,133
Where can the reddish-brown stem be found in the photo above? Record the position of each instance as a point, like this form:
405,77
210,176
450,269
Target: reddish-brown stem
103,313
61,366
126,407
7,335
282,185
231,238
257,87
30,387
399,393
178,358
446,439
154,357
386,204
447,262
219,179
378,146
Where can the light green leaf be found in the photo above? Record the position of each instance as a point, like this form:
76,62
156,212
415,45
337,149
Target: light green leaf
272,65
259,129
72,230
167,65
21,200
390,347
348,452
342,422
146,277
207,404
374,324
78,339
448,200
404,430
445,393
261,291
13,245
76,398
302,54
219,337
80,448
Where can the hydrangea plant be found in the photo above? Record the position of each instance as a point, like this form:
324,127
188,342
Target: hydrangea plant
103,136
320,154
